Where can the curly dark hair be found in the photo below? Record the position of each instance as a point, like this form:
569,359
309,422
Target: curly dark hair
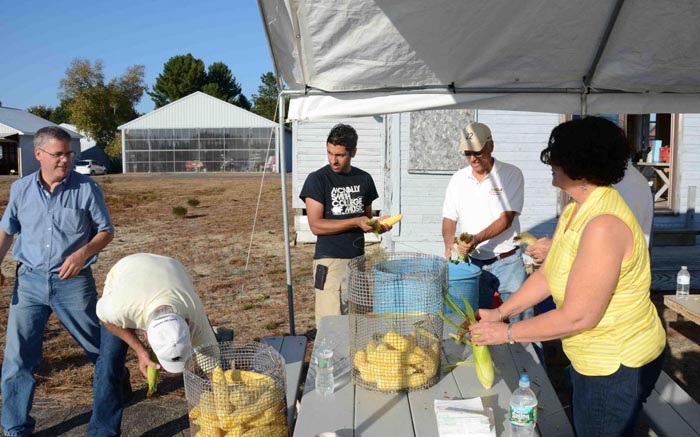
343,135
591,148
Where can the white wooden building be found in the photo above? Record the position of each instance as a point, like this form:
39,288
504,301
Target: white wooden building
385,151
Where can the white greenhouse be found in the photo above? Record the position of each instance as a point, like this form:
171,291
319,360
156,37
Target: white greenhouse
199,133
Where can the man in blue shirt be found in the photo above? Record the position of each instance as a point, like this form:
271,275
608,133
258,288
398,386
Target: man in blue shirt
62,223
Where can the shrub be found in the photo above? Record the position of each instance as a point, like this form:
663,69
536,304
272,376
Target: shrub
179,211
193,202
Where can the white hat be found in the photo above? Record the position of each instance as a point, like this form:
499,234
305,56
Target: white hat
473,137
169,337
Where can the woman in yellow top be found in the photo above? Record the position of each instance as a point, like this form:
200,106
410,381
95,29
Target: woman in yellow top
599,276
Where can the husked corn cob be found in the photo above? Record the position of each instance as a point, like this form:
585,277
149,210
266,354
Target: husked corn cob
391,220
397,341
377,225
385,354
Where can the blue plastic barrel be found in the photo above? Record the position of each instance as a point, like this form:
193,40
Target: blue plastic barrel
463,282
409,285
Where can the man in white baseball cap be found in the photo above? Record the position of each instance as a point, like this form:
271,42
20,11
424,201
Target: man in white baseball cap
169,337
153,294
485,199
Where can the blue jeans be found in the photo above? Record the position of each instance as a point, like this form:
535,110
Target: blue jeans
107,393
609,405
505,276
36,295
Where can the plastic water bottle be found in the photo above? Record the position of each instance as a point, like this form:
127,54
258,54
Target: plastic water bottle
323,357
683,283
523,409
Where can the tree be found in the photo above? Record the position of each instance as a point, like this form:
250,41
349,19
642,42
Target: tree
242,101
265,101
97,108
115,147
60,113
182,75
221,83
56,115
42,111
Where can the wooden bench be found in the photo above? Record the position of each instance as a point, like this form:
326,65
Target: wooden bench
292,349
669,410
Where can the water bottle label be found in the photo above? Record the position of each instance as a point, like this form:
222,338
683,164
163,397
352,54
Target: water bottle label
523,416
683,280
322,363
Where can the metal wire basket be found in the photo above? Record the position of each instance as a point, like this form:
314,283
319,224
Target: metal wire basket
236,389
395,331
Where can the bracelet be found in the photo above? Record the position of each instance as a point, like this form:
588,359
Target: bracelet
510,334
500,315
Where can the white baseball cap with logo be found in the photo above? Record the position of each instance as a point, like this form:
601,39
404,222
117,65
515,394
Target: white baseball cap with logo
473,137
169,337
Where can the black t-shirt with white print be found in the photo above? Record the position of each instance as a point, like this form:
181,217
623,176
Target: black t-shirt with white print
343,196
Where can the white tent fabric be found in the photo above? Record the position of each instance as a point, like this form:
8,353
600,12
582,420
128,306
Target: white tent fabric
361,57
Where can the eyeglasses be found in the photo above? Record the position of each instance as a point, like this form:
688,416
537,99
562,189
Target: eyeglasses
59,155
473,154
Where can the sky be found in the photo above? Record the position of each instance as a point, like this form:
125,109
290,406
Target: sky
39,39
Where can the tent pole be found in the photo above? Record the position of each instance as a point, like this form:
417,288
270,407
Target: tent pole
584,103
285,216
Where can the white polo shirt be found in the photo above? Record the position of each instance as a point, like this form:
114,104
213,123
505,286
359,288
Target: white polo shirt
635,189
475,205
140,283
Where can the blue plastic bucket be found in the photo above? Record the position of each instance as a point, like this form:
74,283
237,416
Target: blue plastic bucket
409,285
463,282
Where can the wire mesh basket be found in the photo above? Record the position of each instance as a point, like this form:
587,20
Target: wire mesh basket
395,330
236,389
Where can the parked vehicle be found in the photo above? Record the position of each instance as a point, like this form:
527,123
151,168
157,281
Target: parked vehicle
90,167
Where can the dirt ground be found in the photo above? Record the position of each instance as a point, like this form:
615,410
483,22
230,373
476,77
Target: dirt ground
232,244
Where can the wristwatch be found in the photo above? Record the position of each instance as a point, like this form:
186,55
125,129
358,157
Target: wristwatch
510,334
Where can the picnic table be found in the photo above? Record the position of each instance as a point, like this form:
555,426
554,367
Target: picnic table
354,411
687,307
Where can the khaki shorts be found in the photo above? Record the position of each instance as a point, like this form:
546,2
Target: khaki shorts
332,300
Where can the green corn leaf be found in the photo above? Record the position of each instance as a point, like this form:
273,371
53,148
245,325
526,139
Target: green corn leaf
470,311
454,307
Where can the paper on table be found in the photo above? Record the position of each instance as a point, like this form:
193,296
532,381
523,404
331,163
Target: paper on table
462,417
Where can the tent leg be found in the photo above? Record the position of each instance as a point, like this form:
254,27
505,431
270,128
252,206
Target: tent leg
285,216
584,104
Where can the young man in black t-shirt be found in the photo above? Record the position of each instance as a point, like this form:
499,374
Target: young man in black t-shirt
338,200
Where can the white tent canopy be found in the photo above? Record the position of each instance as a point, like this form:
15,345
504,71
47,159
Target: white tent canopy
350,58
343,58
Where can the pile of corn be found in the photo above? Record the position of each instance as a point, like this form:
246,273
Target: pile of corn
241,404
397,362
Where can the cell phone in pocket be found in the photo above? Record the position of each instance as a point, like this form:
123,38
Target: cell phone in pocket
320,276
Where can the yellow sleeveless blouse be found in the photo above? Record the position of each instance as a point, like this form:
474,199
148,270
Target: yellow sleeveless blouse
630,331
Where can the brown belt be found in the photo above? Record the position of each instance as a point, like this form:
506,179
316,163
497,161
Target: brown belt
497,257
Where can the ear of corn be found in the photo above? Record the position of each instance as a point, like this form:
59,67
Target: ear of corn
240,403
389,221
392,220
397,362
482,357
526,238
152,377
464,237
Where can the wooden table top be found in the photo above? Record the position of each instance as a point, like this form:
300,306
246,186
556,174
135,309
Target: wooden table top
354,411
688,307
